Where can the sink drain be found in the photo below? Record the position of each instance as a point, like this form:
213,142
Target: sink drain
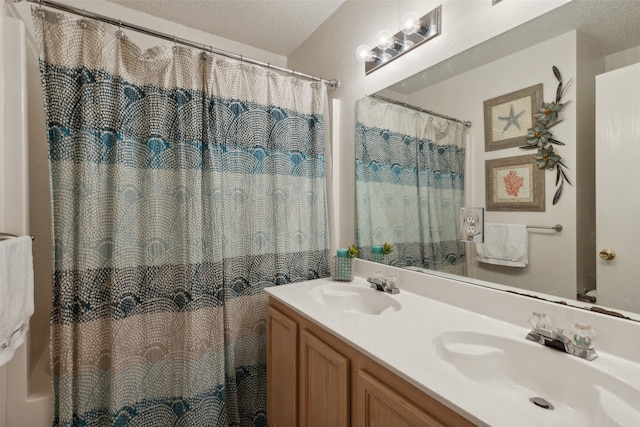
543,403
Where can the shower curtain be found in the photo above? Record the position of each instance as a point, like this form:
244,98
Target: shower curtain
183,184
409,185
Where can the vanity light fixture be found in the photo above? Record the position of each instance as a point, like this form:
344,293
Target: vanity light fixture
415,31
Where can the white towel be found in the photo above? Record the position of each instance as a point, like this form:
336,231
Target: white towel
504,244
16,294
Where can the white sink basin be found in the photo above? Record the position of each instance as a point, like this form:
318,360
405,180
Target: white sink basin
354,299
516,370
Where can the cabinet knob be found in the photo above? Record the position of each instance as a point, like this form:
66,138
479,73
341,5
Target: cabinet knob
607,254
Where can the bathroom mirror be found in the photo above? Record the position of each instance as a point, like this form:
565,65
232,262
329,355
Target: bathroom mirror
583,39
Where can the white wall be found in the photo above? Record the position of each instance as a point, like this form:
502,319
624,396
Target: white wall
14,206
622,59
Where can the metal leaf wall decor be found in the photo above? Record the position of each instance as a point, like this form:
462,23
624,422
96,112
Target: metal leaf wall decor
539,137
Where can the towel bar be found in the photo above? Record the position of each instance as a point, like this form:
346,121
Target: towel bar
556,227
5,236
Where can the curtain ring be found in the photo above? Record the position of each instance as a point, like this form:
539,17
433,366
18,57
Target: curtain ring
120,33
40,11
83,22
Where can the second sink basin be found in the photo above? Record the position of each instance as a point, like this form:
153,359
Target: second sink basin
580,392
354,299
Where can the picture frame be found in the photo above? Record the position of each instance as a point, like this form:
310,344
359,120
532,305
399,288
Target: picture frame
514,184
507,118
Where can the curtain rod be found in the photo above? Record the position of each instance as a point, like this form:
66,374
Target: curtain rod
121,24
422,110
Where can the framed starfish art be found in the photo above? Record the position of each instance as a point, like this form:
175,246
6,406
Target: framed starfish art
508,118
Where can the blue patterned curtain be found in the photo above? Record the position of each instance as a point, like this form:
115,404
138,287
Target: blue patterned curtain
409,185
183,184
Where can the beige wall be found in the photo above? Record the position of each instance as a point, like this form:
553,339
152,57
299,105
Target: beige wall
622,59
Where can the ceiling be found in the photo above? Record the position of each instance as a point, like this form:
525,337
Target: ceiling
277,26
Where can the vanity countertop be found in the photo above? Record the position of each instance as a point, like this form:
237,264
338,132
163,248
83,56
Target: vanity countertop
404,341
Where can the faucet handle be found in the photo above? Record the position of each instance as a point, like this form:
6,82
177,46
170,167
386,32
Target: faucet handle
539,321
392,281
583,335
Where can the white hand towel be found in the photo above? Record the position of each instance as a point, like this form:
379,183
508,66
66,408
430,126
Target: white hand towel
16,294
504,244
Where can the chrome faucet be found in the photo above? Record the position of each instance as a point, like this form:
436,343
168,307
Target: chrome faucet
581,345
389,285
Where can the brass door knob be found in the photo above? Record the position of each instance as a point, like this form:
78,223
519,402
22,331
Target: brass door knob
607,254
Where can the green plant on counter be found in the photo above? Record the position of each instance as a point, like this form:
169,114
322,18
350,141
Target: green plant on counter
353,251
387,248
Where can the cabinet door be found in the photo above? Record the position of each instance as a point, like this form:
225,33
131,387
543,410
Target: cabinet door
324,384
282,370
380,406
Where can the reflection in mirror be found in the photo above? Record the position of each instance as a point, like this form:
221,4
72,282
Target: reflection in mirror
584,39
409,185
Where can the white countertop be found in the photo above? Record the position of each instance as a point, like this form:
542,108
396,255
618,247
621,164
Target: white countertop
402,341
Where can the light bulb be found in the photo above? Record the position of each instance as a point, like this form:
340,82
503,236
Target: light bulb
386,40
364,54
411,23
408,23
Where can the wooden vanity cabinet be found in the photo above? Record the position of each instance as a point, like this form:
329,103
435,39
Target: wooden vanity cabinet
282,370
314,379
383,399
324,383
309,373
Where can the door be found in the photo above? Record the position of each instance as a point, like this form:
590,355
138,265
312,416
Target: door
618,188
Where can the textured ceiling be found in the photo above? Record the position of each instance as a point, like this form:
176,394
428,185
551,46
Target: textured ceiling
277,26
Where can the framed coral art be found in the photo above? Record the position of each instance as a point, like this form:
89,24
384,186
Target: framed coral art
508,118
514,184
